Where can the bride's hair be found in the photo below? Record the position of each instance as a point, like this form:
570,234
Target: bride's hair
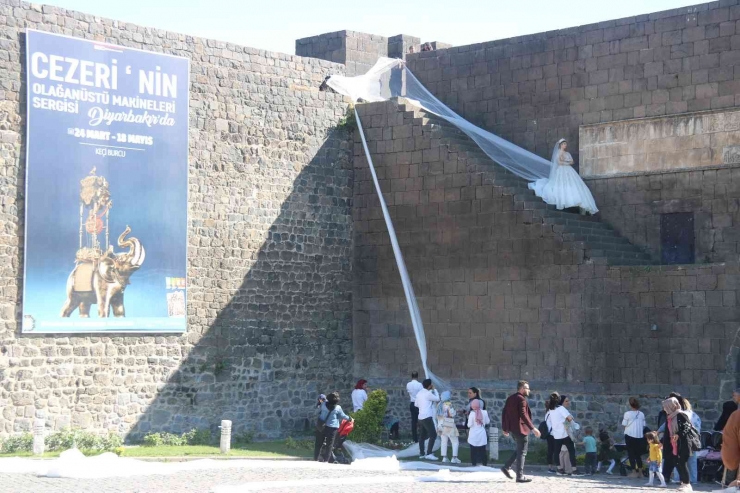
560,145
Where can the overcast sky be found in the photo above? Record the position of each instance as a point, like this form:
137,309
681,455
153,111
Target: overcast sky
276,24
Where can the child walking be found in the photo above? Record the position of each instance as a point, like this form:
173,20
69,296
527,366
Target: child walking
656,458
477,438
607,452
589,442
446,428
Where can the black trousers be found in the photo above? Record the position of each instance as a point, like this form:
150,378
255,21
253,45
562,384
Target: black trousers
427,431
590,462
552,456
318,442
414,421
329,435
519,455
478,455
635,446
682,464
571,449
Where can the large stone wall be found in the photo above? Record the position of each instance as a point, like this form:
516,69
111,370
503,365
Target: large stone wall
688,141
634,205
535,89
506,295
269,253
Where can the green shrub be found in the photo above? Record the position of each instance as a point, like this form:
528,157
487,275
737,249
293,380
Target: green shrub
63,439
84,440
192,437
18,443
152,440
198,437
243,438
369,420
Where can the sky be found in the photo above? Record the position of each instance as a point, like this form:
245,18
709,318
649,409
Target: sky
275,24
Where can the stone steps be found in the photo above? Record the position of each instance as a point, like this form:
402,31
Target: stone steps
600,243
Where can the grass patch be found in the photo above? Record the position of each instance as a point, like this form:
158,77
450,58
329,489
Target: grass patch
279,449
262,450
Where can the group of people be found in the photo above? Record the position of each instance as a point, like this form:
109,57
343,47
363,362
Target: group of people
435,415
668,449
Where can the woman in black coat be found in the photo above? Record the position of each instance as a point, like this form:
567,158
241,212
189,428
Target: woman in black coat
676,449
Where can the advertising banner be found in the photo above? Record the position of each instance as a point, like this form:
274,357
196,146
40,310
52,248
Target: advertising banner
106,188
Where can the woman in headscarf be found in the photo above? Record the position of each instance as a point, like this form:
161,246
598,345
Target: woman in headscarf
446,428
477,438
675,448
728,408
359,395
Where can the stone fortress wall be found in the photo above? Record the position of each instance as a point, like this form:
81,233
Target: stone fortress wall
269,251
290,267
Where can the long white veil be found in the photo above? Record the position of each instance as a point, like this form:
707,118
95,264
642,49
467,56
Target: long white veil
390,78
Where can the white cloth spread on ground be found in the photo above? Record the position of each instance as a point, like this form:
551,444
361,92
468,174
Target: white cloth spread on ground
72,464
564,187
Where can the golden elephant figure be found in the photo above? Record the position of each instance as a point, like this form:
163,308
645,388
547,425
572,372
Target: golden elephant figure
103,281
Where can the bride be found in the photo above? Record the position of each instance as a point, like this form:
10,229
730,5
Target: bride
564,188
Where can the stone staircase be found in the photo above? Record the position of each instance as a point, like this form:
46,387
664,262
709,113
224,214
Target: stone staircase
600,243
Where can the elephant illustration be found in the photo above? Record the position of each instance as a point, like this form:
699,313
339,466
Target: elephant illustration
104,280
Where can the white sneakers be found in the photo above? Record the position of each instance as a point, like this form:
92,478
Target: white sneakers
430,457
445,459
685,487
455,460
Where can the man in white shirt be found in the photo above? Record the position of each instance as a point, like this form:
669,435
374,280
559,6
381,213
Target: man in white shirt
413,388
425,400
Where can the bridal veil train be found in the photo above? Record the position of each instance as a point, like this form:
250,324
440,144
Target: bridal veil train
564,187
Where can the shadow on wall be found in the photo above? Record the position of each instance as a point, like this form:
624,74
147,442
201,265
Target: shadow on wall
285,334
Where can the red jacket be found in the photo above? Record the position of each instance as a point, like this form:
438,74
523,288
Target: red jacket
516,416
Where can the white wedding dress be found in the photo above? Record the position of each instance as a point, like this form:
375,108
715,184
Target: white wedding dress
564,187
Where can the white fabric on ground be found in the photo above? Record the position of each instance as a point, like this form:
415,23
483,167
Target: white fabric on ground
389,78
360,451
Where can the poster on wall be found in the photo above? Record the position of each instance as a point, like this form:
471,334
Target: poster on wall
106,188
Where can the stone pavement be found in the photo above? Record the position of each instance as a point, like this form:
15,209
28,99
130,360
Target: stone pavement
204,481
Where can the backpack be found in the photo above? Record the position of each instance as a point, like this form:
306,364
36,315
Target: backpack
544,429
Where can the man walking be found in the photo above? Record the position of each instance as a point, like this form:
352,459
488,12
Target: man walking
425,400
516,418
413,388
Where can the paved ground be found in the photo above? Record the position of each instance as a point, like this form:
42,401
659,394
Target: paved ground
205,481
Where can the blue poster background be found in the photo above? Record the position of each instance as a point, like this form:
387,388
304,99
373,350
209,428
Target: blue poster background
148,188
